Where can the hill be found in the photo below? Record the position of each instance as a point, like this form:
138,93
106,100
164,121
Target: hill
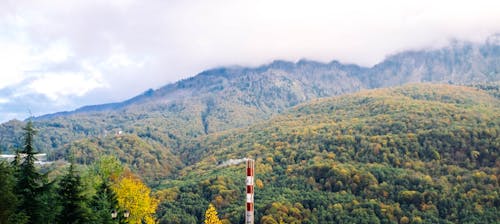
418,153
170,118
229,97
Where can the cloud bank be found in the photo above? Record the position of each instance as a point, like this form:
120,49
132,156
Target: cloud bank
59,55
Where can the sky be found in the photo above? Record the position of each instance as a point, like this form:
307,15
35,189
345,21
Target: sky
59,55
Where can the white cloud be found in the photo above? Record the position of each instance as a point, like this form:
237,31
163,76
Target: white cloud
56,52
119,59
72,48
55,86
13,59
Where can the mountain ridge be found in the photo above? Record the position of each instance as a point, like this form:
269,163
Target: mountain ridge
464,63
233,97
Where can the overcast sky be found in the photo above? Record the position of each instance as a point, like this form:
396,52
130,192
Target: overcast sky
62,54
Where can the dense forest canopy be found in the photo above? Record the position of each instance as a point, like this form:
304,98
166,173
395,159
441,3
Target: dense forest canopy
414,154
418,153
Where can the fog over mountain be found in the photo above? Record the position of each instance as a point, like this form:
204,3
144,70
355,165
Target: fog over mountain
231,97
353,111
281,84
62,55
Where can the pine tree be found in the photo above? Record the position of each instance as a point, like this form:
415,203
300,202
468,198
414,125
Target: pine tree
73,203
16,162
211,216
29,180
104,203
8,200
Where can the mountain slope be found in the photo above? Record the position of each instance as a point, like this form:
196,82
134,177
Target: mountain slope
459,63
420,153
225,98
170,118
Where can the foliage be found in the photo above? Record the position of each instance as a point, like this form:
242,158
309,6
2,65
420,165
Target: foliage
103,204
29,186
135,197
152,160
73,202
424,153
419,153
211,215
8,200
492,88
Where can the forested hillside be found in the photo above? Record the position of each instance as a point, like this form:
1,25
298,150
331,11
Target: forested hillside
333,142
418,153
421,153
230,97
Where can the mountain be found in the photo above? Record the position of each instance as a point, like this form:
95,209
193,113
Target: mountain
240,95
459,63
420,153
222,99
412,139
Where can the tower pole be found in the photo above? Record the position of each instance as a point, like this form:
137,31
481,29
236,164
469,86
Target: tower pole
249,214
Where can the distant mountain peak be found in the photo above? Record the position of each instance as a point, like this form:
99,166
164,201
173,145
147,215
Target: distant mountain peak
275,86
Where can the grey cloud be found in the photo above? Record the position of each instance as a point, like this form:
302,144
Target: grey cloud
177,39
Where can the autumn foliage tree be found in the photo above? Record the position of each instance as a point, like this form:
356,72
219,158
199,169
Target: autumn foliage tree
211,215
135,197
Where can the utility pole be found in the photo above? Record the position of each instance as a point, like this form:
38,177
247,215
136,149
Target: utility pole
249,214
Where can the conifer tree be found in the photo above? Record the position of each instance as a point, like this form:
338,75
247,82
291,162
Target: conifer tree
29,180
8,199
211,216
73,203
17,161
104,203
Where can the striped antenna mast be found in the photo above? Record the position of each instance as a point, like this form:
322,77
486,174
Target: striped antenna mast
249,214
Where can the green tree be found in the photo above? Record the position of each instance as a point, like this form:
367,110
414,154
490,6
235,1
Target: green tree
29,180
108,167
103,204
8,200
73,202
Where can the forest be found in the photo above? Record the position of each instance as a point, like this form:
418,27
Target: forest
102,192
421,153
412,154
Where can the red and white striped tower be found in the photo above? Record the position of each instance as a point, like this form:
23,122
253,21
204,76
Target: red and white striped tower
249,217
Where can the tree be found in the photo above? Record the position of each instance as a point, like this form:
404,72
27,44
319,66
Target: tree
73,202
104,203
211,215
29,180
108,167
8,200
135,197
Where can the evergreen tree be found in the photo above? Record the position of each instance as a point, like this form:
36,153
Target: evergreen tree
16,162
29,180
73,202
211,216
8,199
104,203
48,195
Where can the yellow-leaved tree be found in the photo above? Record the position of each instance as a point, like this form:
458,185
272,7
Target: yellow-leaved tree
134,196
211,215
